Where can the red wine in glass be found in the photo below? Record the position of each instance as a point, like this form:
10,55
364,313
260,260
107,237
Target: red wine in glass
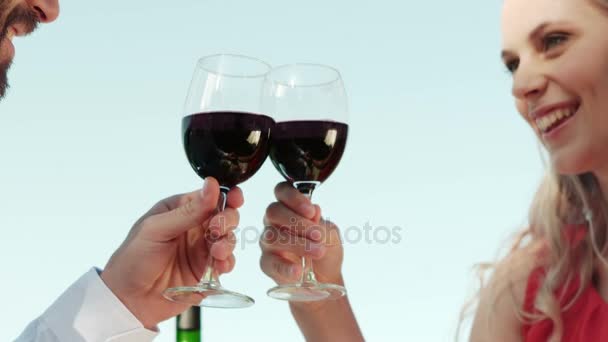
228,146
308,151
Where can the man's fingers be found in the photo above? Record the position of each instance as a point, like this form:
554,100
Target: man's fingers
235,198
225,266
223,223
194,209
223,248
318,214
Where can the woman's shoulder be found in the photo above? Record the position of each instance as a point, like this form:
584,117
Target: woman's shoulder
504,297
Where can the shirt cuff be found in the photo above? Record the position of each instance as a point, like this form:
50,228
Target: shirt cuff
89,311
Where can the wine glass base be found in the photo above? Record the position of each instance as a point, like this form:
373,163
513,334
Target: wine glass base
307,292
208,296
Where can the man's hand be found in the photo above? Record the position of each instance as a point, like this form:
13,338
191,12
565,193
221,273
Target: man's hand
169,246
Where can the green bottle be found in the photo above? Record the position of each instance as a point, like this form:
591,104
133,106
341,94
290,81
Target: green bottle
188,325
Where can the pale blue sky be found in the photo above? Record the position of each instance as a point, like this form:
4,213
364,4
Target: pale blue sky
89,140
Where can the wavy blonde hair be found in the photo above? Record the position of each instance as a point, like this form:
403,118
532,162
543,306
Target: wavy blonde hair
560,201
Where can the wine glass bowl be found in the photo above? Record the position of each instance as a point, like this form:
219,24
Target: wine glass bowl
229,146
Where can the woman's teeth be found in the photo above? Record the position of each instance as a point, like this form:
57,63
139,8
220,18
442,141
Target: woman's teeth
546,122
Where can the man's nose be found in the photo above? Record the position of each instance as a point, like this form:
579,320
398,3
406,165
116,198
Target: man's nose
47,10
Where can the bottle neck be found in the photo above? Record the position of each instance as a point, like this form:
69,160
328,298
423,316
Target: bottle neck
188,325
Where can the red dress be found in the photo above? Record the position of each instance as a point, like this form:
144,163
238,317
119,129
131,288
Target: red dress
585,321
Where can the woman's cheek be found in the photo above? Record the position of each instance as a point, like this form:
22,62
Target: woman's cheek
522,109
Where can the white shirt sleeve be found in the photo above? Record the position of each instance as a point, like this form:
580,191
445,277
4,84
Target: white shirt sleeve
87,311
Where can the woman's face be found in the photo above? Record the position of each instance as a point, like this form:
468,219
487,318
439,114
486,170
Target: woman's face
557,52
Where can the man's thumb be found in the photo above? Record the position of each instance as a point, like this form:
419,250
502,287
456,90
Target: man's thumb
193,209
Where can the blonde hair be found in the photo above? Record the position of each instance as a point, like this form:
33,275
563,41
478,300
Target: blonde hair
559,202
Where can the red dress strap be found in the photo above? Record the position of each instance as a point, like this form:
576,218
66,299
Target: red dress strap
583,321
534,282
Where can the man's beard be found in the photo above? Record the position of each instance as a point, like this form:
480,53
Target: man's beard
22,15
4,66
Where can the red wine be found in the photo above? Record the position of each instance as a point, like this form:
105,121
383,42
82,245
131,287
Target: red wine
307,151
229,146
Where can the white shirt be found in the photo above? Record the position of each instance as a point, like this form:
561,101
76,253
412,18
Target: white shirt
87,311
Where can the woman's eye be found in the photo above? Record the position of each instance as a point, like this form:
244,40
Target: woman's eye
512,65
552,40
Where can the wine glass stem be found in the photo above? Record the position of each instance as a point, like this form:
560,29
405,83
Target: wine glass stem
308,273
210,276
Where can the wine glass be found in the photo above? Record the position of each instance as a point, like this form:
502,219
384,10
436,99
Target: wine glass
310,107
225,136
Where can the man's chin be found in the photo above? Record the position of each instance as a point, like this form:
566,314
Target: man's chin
3,78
